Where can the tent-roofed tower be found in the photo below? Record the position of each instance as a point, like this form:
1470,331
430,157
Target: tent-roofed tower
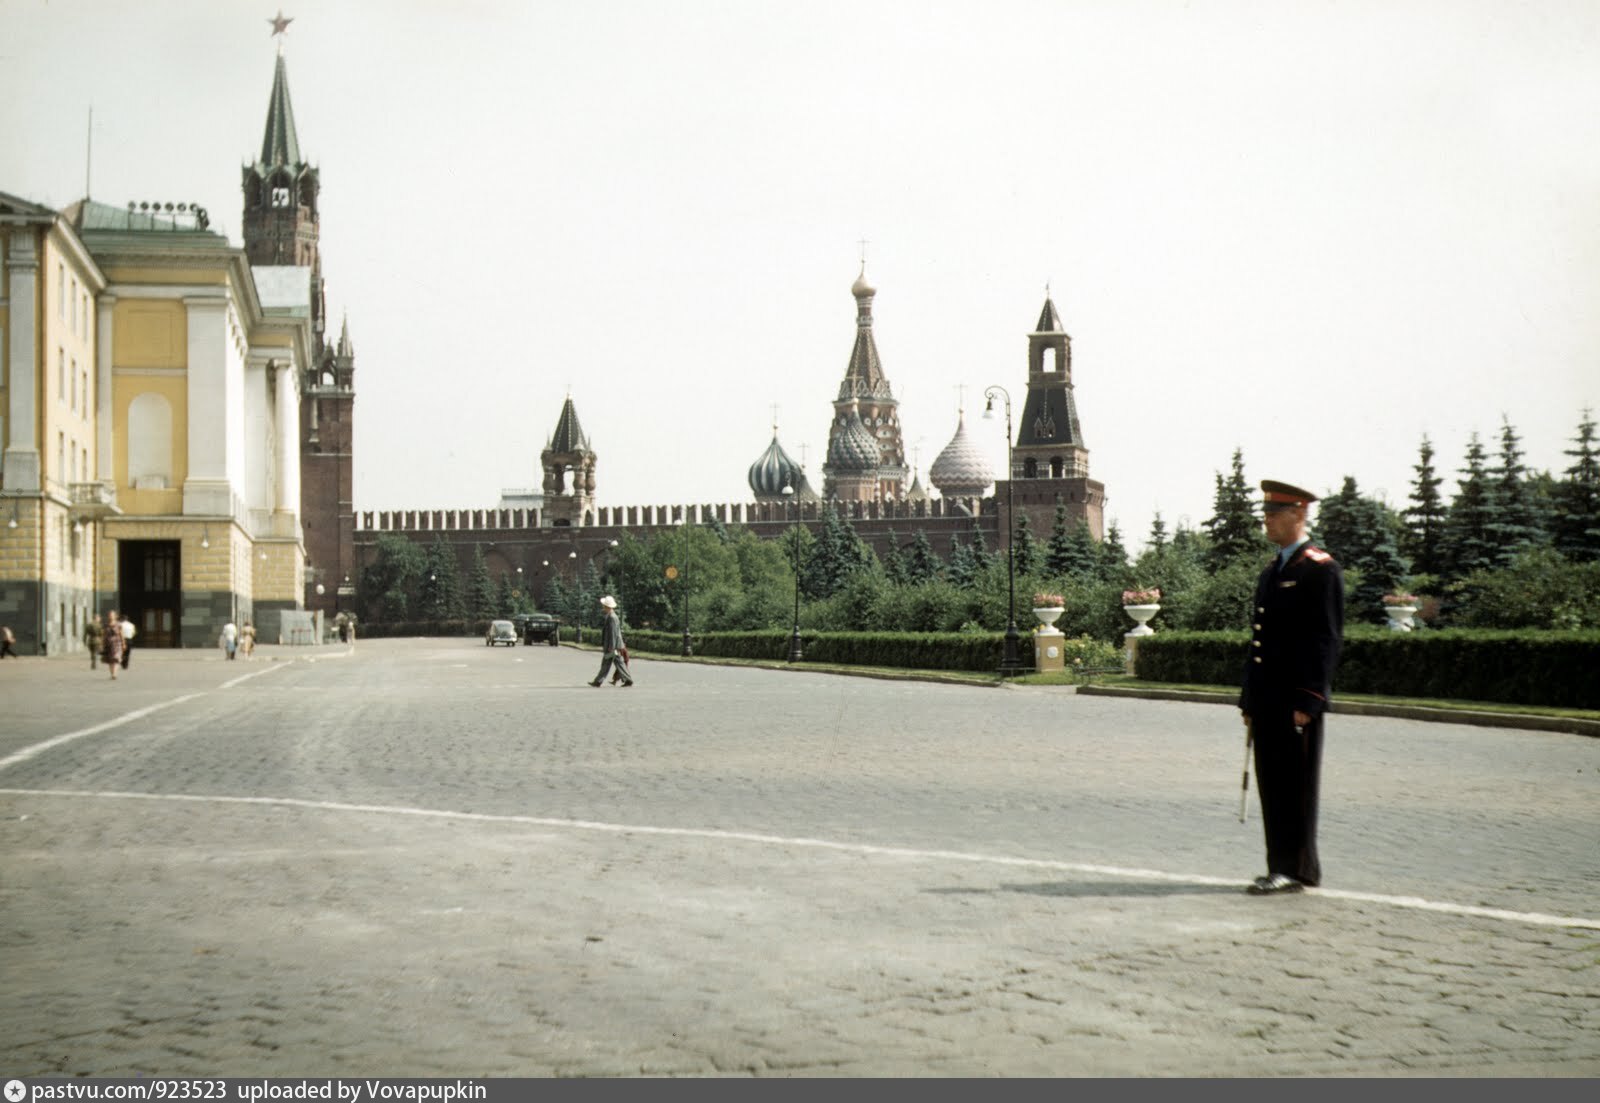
866,390
282,242
282,225
569,464
1049,463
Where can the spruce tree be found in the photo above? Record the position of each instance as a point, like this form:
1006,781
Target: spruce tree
482,601
1513,528
1363,535
1234,528
1082,554
982,558
1157,540
923,564
1113,557
1024,548
1424,536
894,562
1577,498
837,554
1058,552
1469,531
963,568
439,588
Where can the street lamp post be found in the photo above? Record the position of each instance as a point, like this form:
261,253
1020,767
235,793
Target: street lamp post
1010,663
578,586
790,494
683,583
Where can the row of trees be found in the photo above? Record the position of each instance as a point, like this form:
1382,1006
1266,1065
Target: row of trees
1514,548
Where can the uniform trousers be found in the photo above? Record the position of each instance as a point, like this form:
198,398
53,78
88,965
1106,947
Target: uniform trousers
1288,777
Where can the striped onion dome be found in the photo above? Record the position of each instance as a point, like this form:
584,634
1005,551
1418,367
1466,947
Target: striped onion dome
774,471
852,448
961,471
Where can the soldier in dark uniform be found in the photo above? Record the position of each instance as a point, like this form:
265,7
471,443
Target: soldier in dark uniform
1297,626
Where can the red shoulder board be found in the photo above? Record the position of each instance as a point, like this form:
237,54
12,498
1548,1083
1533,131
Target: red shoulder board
1317,555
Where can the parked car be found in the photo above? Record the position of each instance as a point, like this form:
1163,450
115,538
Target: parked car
541,628
500,631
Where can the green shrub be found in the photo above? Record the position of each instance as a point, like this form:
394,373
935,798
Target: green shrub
1554,669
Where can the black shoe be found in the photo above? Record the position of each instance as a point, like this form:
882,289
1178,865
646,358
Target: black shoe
627,685
1273,885
595,684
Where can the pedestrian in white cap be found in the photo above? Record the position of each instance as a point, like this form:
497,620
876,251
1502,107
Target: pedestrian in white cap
611,644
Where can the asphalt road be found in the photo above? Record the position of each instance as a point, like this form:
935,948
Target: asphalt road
433,858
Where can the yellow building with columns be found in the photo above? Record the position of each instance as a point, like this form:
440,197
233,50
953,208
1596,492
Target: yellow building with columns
166,484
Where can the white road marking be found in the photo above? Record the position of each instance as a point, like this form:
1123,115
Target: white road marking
116,722
1533,918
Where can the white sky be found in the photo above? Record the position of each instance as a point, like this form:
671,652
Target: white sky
1312,230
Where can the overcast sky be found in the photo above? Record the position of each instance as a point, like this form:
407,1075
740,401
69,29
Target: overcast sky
1312,230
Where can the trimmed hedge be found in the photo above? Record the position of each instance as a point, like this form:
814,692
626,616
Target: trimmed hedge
1553,669
970,651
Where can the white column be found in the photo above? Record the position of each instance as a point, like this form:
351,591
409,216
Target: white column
104,411
212,408
288,420
22,447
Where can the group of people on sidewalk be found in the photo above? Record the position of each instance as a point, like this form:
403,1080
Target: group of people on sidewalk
110,640
235,640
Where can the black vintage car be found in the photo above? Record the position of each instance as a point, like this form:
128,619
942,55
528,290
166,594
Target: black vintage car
539,628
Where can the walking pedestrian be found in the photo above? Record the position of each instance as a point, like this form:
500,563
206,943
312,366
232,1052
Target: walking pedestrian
94,636
247,640
612,646
230,640
115,644
8,643
128,631
1297,627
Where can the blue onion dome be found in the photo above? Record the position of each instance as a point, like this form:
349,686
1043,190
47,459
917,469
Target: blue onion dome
852,448
961,471
774,471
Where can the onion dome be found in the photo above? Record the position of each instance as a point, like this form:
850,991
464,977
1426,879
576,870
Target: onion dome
852,448
961,471
774,471
861,289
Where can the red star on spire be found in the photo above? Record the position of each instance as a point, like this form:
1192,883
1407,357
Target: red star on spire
280,24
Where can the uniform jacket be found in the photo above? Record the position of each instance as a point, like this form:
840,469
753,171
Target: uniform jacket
611,634
1297,626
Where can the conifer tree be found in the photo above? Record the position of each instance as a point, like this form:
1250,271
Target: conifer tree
1424,536
1157,540
1577,498
1082,555
894,562
923,564
1234,528
1513,528
1024,548
982,558
439,588
1113,557
962,570
837,554
1058,552
482,601
1469,531
1363,534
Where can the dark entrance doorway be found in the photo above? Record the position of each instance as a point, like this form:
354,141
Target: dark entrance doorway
148,584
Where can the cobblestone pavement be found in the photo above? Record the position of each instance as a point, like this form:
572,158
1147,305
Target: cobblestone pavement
428,857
